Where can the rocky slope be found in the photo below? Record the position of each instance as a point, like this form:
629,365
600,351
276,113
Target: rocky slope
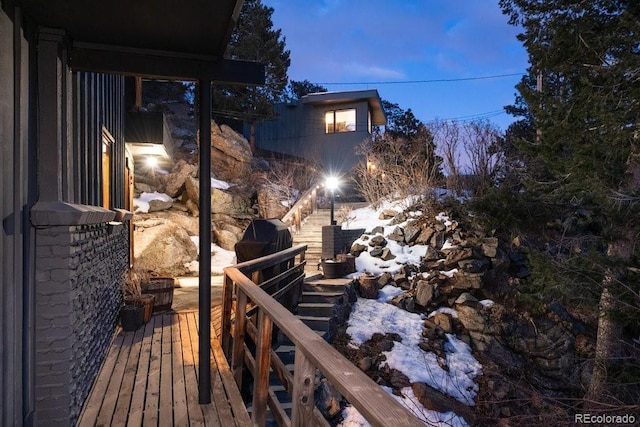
466,285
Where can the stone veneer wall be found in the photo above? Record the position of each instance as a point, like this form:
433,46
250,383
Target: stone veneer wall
336,240
79,269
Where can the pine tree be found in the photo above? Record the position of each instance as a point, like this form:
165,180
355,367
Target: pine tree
254,39
582,99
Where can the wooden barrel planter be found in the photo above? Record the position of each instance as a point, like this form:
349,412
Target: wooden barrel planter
147,300
162,289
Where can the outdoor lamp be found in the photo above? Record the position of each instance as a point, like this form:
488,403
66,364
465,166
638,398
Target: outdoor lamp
332,184
151,161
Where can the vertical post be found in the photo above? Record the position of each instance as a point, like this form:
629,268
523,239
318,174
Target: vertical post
237,354
302,397
204,272
261,375
333,200
227,303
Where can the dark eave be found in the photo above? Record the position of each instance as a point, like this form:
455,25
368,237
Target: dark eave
151,38
201,27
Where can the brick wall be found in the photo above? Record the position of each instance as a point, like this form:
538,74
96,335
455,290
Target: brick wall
336,240
79,269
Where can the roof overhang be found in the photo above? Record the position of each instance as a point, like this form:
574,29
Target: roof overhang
150,38
378,116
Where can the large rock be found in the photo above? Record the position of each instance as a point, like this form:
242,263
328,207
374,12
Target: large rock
227,235
270,203
163,247
222,202
174,181
230,152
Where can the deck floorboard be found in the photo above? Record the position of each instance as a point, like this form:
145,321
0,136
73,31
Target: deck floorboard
150,378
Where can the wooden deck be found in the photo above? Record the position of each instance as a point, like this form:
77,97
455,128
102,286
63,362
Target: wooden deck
149,378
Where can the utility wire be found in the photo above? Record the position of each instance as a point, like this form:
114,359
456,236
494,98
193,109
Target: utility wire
497,76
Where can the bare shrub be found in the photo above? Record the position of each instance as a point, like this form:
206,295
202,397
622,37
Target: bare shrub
396,167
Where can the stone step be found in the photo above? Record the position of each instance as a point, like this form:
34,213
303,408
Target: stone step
316,309
326,285
323,297
318,324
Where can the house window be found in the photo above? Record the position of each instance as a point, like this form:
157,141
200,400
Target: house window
340,120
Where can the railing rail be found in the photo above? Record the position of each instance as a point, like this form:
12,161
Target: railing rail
311,353
306,204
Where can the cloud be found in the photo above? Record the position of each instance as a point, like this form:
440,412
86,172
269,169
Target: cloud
359,69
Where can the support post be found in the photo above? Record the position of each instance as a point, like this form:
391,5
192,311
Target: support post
204,272
333,201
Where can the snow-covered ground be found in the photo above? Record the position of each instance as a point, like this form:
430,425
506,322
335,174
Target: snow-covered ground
371,316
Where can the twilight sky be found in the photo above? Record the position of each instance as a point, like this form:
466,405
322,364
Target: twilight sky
383,43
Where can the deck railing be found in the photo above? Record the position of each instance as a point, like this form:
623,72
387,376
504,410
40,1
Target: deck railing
249,317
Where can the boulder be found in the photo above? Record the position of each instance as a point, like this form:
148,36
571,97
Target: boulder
227,235
174,182
231,154
270,203
159,205
163,247
425,292
396,235
378,241
411,232
224,202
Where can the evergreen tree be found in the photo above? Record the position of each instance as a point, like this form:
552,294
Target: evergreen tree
254,39
298,89
579,143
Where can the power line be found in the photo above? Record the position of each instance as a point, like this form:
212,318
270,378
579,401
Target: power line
497,76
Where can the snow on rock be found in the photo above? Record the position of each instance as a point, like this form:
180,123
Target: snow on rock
220,258
222,185
141,204
369,316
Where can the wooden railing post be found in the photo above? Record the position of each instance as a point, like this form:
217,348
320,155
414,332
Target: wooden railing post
227,304
237,356
302,398
314,200
261,374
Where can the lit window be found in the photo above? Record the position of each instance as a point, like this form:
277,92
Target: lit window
340,120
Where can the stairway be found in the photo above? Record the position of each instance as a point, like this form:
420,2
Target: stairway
325,305
310,234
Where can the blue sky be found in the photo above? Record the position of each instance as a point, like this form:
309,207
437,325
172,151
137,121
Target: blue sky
383,43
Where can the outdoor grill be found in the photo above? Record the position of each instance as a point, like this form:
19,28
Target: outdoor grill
263,237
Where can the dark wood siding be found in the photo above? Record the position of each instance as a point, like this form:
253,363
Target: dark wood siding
99,102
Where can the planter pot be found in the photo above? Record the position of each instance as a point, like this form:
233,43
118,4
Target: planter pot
147,301
162,289
332,269
131,317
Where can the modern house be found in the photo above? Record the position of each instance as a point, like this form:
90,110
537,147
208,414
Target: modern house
324,128
65,177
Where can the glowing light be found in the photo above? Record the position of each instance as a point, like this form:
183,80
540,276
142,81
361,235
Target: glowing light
332,182
152,162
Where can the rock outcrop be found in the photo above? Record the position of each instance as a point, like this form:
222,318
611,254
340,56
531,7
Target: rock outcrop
466,284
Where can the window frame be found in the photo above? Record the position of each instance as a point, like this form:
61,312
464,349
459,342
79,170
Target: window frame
330,125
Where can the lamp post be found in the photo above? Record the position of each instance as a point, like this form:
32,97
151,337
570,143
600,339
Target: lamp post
332,184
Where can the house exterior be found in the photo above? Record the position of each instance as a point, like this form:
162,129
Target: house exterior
66,175
324,128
